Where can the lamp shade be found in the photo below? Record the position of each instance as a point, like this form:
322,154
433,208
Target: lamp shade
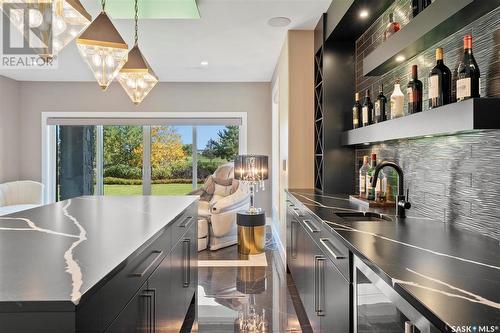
252,168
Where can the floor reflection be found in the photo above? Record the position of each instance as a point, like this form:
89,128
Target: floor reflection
245,293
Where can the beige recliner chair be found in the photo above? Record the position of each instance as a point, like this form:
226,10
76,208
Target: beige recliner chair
221,197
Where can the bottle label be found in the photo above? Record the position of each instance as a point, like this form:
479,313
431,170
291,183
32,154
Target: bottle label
365,114
434,86
362,185
411,95
355,120
377,109
463,88
396,106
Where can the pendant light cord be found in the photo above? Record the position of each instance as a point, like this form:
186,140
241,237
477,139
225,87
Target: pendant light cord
103,4
136,24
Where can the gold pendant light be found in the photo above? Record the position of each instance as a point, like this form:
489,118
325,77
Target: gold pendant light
69,19
136,76
103,49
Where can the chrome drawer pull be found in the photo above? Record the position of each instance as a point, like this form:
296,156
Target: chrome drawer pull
297,212
332,249
185,222
187,262
319,285
158,255
308,224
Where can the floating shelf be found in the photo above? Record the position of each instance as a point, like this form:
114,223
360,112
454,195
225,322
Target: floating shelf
438,21
469,115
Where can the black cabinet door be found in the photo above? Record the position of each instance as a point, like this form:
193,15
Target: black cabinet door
334,299
310,295
191,262
137,315
159,286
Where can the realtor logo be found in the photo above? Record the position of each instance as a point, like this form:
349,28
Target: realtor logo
26,34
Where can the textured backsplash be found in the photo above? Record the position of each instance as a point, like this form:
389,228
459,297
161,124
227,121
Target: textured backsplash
451,178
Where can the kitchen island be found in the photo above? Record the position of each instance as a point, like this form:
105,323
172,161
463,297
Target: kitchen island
435,276
96,264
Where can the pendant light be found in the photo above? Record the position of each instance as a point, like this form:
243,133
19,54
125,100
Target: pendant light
103,49
136,76
68,19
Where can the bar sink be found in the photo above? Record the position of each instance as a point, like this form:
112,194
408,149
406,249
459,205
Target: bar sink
363,216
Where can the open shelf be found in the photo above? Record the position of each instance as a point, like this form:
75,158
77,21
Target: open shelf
468,115
438,21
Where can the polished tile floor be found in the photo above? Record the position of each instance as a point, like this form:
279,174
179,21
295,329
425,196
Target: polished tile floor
236,293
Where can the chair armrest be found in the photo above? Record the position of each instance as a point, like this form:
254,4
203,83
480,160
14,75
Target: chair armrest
234,202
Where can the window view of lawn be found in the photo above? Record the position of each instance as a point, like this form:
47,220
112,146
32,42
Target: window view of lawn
171,158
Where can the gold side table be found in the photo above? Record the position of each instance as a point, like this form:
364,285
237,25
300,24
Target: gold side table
251,232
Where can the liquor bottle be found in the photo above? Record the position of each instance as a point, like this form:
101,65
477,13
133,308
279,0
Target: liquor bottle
416,7
392,27
439,82
362,177
367,110
356,113
380,106
381,196
414,90
370,190
397,101
468,73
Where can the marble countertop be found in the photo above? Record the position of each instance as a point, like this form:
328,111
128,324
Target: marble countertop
55,254
450,275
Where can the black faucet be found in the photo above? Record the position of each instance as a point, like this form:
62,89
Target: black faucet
401,203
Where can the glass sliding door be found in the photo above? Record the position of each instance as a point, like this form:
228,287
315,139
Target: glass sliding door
76,161
123,160
139,159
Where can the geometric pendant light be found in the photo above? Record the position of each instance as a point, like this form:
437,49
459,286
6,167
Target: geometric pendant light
103,49
69,19
136,76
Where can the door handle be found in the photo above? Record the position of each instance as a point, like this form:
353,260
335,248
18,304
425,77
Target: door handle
185,222
149,310
152,313
297,212
157,256
186,243
319,285
309,225
332,249
409,327
293,244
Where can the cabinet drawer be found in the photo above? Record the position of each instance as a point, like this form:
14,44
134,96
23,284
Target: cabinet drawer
183,223
337,252
100,309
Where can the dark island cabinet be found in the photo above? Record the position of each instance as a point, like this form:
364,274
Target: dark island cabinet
162,302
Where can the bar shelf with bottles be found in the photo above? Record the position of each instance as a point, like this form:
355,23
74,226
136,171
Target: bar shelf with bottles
450,111
431,23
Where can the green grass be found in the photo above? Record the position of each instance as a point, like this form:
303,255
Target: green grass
156,189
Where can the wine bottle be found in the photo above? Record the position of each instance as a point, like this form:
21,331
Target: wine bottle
363,171
416,7
356,113
439,82
367,110
392,27
380,106
468,73
397,101
370,190
414,90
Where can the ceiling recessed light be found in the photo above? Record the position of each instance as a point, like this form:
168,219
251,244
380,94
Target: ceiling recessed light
400,58
204,63
364,13
279,21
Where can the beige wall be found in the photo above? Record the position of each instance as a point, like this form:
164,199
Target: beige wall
295,76
9,125
37,97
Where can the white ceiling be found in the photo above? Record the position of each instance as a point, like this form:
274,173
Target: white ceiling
232,35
